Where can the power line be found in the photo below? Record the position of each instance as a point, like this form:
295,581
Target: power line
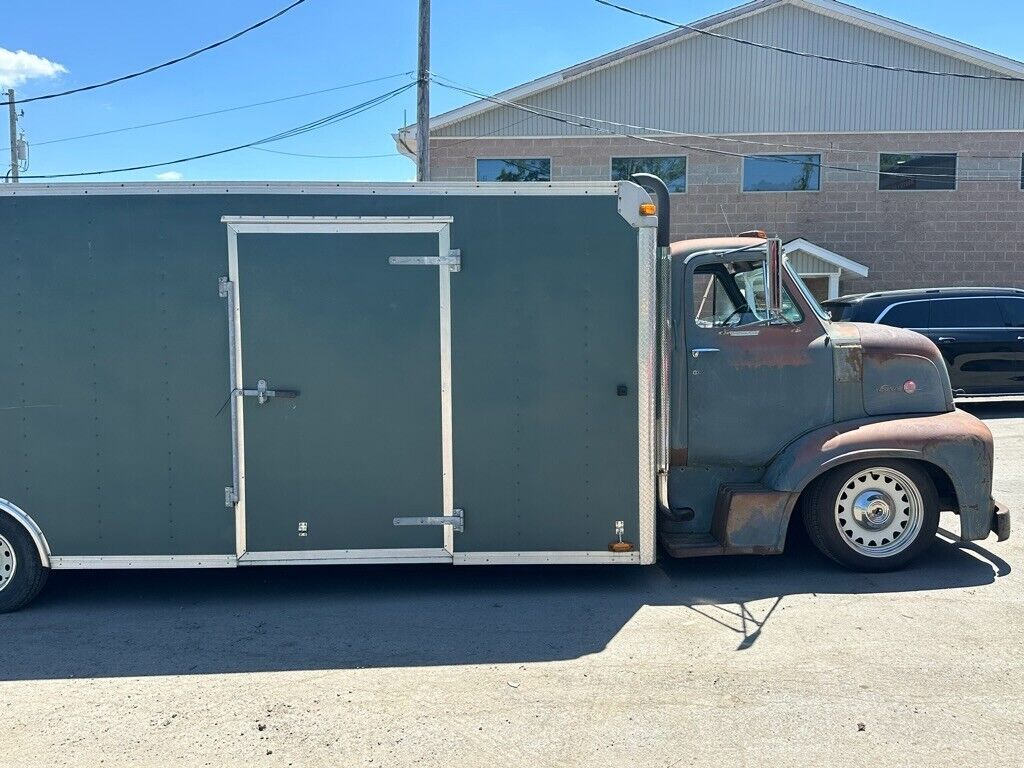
389,154
711,137
322,122
326,157
576,120
807,54
225,110
154,68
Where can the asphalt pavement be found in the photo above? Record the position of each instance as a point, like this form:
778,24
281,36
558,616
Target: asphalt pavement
777,661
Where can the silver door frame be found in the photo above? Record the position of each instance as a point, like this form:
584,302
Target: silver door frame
336,225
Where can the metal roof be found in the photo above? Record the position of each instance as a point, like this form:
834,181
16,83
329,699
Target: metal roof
890,28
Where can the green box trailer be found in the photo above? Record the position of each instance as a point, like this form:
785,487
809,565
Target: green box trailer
212,375
231,374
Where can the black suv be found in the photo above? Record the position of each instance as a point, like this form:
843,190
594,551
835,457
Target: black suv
979,330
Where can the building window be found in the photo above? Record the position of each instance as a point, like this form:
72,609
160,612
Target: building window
917,170
671,170
527,169
782,173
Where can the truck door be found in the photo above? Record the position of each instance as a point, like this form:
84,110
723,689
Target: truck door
751,387
341,374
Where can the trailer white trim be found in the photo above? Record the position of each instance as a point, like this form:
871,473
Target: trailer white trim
647,334
348,556
495,188
69,562
548,558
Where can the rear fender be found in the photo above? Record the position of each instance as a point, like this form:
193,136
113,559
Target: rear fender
33,530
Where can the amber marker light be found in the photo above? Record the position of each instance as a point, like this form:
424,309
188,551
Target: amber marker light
648,209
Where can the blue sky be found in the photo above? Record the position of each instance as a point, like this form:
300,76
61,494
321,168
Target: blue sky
488,44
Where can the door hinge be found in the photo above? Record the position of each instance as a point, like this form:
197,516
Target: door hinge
453,260
223,287
455,520
230,496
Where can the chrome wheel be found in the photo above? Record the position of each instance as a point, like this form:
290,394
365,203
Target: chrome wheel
8,563
879,512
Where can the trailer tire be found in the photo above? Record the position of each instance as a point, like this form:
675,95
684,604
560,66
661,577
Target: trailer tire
874,515
22,574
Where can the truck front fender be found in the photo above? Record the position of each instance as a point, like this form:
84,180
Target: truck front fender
956,442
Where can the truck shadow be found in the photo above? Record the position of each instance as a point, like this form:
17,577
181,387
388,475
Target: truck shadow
114,624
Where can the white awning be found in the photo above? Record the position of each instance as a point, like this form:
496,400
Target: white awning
812,260
830,261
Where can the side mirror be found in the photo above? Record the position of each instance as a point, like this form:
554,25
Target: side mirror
773,280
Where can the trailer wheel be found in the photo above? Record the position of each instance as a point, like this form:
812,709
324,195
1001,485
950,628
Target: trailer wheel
22,574
873,515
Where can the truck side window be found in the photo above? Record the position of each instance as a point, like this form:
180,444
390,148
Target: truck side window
732,294
711,300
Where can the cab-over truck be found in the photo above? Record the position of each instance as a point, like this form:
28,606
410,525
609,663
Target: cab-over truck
223,375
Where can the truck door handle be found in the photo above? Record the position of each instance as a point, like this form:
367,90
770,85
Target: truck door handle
262,393
703,351
947,338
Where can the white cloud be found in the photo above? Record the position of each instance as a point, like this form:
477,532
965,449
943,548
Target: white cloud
18,67
170,176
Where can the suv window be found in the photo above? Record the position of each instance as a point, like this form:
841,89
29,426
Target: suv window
911,314
1013,312
965,313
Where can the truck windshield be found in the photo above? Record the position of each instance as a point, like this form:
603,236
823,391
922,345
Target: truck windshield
808,296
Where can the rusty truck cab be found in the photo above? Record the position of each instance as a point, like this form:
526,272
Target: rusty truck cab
853,426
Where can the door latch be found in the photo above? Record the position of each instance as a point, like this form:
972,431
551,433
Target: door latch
262,393
703,351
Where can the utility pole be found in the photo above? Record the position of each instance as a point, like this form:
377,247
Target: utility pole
13,112
423,96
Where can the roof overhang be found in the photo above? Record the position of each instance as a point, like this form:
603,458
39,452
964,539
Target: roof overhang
824,254
967,53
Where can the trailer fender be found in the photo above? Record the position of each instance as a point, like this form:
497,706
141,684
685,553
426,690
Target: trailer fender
29,525
955,442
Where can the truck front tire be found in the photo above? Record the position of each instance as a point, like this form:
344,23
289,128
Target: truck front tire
22,574
874,515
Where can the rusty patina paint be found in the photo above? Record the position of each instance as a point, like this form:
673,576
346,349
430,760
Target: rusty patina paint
747,518
890,357
770,350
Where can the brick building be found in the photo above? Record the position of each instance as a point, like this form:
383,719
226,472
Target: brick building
884,179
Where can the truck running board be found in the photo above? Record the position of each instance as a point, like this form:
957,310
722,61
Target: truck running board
691,544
